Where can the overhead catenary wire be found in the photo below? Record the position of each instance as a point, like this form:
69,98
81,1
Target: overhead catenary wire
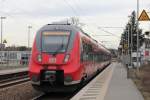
67,2
101,35
101,28
116,27
75,12
108,32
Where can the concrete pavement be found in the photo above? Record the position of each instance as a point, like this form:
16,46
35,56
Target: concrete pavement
121,88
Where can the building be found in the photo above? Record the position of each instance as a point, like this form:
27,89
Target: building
14,57
145,51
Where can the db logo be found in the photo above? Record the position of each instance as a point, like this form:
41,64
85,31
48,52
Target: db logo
52,60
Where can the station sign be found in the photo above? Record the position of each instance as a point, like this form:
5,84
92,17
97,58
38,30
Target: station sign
144,16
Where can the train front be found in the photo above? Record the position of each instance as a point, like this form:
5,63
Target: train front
55,60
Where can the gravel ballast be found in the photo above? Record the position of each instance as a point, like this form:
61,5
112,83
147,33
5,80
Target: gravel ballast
22,91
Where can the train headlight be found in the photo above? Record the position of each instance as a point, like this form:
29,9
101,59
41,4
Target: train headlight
39,58
67,58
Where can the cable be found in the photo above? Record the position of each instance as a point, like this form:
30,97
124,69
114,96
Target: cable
101,35
74,11
71,8
87,18
111,27
109,32
99,26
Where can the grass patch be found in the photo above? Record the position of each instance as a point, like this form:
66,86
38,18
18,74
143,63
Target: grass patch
143,81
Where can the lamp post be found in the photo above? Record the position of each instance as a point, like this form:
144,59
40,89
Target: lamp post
29,29
138,37
131,44
2,28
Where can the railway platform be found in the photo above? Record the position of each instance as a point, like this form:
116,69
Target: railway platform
9,71
121,88
111,84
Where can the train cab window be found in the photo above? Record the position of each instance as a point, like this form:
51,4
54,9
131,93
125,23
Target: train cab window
55,41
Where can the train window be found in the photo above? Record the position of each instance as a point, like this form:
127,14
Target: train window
90,57
88,54
81,51
87,49
54,42
95,57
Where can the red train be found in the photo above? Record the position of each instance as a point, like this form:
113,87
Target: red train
63,57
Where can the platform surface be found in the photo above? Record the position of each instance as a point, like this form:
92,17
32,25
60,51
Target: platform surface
121,88
8,71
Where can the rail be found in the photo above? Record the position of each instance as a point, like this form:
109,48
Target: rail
9,79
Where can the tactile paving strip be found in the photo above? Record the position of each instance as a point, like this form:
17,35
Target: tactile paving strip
97,88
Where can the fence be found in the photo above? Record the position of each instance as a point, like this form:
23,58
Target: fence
14,58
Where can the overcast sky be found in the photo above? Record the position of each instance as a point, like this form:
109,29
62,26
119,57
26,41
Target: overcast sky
93,13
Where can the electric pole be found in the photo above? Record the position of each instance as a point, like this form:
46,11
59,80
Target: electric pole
137,29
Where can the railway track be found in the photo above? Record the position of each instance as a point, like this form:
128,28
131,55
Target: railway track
54,96
10,79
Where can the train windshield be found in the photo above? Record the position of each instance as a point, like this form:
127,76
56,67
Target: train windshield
55,42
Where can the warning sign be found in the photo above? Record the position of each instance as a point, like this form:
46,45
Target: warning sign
144,16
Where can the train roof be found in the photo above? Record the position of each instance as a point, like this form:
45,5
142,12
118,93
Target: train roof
56,26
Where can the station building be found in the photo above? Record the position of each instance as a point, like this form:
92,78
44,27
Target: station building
145,51
14,57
